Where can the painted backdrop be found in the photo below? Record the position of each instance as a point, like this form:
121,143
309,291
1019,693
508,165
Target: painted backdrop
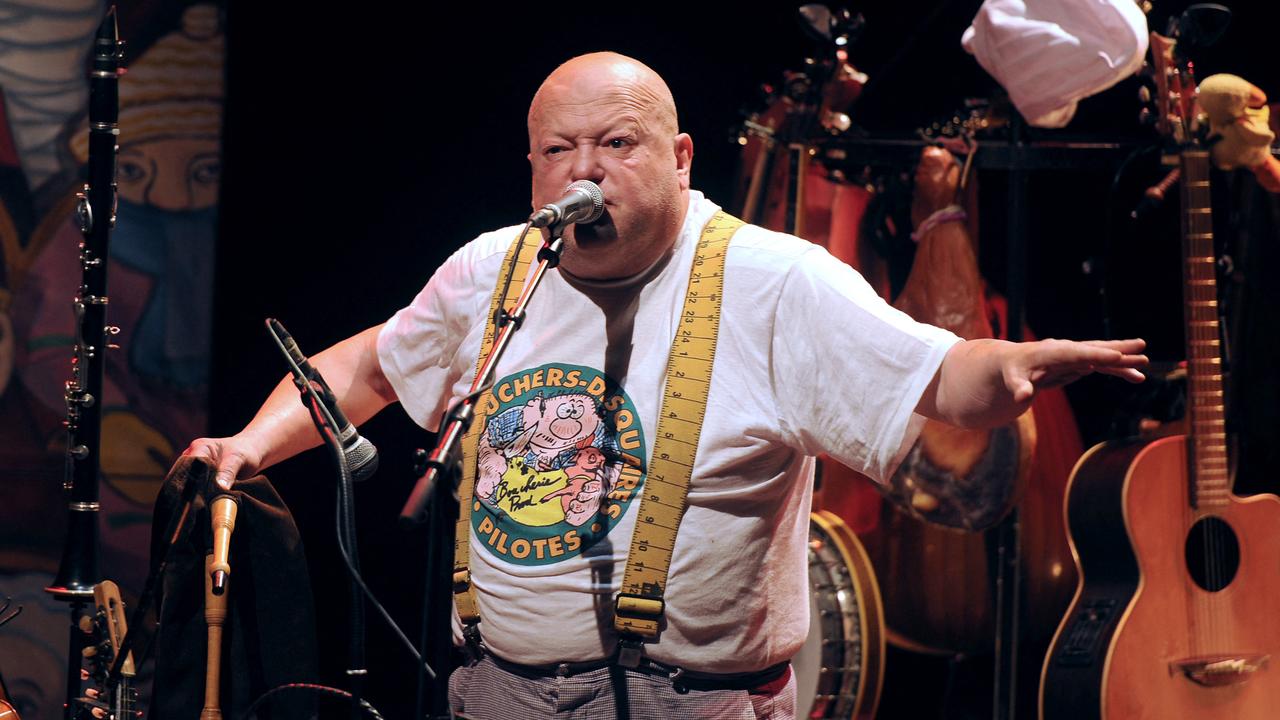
160,286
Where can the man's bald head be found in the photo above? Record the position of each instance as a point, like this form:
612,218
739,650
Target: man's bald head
610,119
600,74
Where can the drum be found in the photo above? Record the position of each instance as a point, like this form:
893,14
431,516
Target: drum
840,668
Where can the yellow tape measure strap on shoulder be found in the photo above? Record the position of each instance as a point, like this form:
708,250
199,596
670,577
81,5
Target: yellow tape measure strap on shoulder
523,255
640,604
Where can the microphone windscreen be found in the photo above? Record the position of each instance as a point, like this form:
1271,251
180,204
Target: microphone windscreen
597,199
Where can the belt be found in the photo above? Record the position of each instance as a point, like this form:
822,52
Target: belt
683,680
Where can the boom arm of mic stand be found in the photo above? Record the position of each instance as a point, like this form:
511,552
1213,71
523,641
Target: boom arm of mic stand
459,417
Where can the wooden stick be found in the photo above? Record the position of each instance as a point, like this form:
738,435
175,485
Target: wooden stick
215,614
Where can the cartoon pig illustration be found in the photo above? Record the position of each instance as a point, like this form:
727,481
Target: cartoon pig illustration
587,475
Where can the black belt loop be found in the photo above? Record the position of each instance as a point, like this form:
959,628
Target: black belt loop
676,683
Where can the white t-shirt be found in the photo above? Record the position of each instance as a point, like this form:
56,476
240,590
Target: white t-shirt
809,360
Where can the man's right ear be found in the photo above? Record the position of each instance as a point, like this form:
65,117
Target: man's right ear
533,204
684,158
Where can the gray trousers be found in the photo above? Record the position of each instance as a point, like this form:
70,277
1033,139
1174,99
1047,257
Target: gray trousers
485,691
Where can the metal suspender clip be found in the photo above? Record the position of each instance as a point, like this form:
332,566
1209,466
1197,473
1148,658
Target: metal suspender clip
630,650
648,612
472,649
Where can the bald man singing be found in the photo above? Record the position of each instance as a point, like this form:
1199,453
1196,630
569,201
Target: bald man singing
807,360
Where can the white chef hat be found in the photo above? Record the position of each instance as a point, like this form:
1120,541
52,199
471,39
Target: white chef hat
1049,54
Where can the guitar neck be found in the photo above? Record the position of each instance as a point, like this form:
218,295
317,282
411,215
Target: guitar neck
1207,458
114,627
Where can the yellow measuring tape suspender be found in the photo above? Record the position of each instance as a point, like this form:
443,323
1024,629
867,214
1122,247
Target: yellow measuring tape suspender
523,255
639,605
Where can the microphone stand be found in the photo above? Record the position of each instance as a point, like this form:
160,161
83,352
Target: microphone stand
429,488
460,415
347,545
328,429
175,532
437,599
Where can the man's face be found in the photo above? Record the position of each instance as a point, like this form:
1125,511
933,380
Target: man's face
611,134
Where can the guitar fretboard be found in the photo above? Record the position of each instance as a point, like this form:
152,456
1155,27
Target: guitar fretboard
1210,484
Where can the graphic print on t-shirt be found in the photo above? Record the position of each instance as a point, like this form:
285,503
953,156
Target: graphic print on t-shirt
561,455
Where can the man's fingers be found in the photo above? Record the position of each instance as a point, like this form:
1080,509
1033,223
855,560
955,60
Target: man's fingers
200,449
1128,346
228,464
1098,354
1125,373
1023,391
1114,360
228,468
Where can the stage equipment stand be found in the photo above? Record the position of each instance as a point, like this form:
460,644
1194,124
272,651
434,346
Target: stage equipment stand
1008,534
318,399
437,487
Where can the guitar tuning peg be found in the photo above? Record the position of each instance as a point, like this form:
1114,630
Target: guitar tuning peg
89,652
85,624
1146,117
837,122
1144,94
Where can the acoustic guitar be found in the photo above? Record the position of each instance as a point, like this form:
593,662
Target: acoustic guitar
1175,614
109,627
7,711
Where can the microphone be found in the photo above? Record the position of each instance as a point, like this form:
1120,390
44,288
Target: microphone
583,202
222,513
361,455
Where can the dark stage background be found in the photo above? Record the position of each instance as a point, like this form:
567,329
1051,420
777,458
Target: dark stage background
366,142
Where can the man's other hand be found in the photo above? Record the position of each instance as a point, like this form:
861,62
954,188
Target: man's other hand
234,457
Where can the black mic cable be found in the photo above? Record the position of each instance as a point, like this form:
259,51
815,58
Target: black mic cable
322,409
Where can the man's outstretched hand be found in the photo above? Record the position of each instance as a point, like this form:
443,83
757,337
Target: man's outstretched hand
1054,363
986,383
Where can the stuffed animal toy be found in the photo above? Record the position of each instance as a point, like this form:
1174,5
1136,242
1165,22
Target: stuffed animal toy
1237,114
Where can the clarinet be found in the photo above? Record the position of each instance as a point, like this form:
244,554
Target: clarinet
78,571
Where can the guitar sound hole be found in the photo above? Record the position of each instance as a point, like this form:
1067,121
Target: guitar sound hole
1213,554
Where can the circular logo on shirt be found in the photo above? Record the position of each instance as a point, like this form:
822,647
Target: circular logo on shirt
560,458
